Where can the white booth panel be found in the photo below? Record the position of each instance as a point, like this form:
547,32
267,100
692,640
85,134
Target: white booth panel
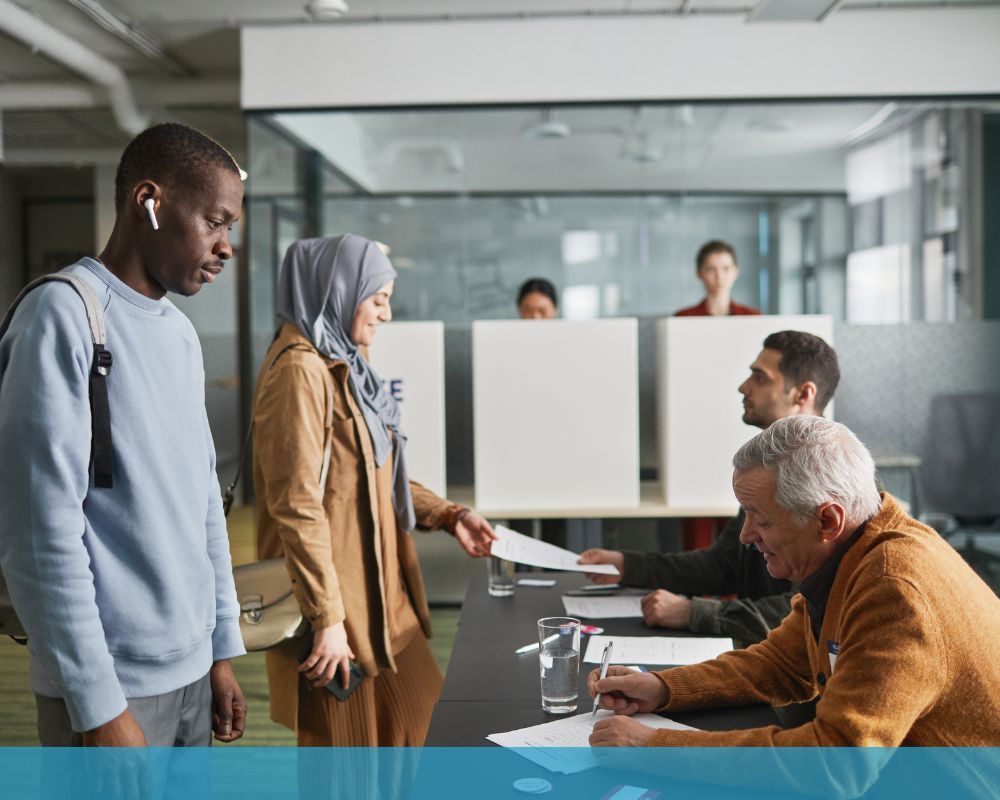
556,414
409,357
700,363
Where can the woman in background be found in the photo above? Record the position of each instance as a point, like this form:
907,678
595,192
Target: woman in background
717,271
537,299
334,499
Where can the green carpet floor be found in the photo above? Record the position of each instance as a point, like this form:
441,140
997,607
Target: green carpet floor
17,713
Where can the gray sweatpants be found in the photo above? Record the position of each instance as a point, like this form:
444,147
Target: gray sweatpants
182,718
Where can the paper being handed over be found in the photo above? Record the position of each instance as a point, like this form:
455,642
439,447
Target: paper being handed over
523,549
564,744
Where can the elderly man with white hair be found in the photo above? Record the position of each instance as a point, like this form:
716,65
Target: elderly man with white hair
893,632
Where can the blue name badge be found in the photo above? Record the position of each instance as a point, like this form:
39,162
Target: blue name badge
832,650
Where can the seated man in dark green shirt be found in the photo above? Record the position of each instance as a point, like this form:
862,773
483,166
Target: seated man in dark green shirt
795,373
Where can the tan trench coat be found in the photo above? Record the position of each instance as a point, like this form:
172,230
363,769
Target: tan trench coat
347,560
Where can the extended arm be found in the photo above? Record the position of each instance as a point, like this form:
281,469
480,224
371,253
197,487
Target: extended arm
891,668
888,672
711,570
473,533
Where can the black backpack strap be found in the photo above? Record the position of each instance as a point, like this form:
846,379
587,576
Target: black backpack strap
101,453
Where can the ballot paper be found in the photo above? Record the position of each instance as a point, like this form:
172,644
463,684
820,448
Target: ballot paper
563,745
603,607
523,549
666,650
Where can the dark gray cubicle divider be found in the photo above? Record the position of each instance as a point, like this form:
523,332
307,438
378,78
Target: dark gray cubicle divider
894,378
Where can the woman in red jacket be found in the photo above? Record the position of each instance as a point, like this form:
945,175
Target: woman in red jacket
718,271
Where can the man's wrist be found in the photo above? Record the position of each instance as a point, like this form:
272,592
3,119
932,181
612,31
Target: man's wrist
635,571
664,698
705,615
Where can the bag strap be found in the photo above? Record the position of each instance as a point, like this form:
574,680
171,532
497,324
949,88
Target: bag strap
101,452
229,496
327,437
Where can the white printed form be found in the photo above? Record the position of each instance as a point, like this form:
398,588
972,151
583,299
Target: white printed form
564,744
515,546
666,650
616,606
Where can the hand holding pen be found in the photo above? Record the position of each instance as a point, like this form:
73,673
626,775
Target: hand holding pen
605,660
626,691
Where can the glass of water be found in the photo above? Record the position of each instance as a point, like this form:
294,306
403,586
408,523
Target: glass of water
501,576
559,663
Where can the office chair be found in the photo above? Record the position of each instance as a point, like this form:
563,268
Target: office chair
961,474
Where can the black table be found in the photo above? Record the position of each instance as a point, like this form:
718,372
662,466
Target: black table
489,688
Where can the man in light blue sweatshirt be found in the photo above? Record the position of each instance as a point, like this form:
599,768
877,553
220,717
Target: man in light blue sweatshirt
126,593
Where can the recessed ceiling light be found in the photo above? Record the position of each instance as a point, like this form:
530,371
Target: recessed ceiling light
326,9
649,155
548,128
792,10
771,125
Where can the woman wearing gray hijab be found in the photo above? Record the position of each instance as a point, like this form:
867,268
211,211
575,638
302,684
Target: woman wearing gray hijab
334,500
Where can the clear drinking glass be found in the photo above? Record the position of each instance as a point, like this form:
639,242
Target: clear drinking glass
559,663
501,576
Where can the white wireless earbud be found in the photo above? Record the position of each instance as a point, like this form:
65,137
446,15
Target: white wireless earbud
152,214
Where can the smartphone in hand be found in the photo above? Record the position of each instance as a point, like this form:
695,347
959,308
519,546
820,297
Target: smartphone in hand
335,687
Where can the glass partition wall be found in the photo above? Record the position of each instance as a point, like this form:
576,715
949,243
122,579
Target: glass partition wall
866,211
871,212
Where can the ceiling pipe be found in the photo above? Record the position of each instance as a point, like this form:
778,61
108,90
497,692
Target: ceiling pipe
130,33
59,157
56,45
38,95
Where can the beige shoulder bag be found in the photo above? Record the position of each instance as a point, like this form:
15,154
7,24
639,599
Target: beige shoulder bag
269,611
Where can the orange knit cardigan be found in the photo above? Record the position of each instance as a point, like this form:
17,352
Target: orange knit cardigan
918,634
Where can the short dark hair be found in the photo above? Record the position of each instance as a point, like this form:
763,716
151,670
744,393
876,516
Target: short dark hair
711,248
169,154
805,357
540,285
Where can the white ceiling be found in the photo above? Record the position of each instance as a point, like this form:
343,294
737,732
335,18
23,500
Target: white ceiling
203,35
201,41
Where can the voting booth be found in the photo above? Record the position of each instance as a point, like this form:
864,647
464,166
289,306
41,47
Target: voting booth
700,363
556,420
409,357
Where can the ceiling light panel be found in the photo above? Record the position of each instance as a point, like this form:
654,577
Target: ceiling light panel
720,6
792,10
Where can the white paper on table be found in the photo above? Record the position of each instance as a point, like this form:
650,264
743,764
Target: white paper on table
515,546
603,607
665,650
539,742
